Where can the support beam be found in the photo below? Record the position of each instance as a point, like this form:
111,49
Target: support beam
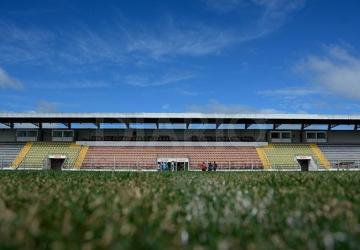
187,125
39,125
157,125
68,125
127,125
10,125
247,126
97,124
304,126
331,126
218,125
276,126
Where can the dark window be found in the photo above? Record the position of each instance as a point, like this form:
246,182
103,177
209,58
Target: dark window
32,133
275,135
21,133
57,133
321,135
285,135
311,135
69,133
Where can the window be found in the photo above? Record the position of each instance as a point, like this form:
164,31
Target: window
285,135
314,136
63,133
21,133
275,135
68,133
321,135
57,133
31,133
26,133
281,136
311,135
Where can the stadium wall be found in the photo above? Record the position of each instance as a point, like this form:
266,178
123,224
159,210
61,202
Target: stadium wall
297,136
7,135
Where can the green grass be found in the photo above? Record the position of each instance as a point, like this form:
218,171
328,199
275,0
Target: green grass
71,210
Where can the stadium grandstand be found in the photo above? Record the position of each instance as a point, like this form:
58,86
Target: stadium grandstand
145,141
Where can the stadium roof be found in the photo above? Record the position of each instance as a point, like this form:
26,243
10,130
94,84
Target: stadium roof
187,118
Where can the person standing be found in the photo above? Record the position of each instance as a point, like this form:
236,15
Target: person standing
215,166
210,166
203,166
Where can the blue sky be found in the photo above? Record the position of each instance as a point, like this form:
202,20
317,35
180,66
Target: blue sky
232,56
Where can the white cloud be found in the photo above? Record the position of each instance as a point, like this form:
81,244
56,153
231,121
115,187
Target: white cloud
276,12
158,80
338,71
296,99
165,106
71,84
24,44
214,106
126,41
194,40
44,106
7,82
117,45
273,14
290,92
198,39
186,92
224,6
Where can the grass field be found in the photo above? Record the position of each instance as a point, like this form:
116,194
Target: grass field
194,210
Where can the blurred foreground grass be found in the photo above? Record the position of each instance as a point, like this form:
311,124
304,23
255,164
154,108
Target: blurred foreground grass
92,210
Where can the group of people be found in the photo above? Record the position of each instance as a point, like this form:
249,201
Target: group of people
167,166
209,166
172,166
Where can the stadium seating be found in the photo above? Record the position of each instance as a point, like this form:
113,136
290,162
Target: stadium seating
39,151
282,156
146,157
8,153
347,156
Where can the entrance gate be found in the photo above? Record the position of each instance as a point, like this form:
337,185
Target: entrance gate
55,162
306,163
173,164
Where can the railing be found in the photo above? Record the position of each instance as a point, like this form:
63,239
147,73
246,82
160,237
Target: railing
285,167
141,164
232,166
33,162
345,165
5,163
118,163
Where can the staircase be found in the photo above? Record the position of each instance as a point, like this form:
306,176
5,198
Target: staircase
265,161
21,156
321,157
81,156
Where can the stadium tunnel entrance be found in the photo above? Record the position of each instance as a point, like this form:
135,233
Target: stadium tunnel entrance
306,163
173,164
56,162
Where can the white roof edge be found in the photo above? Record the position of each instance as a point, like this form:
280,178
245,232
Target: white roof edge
180,115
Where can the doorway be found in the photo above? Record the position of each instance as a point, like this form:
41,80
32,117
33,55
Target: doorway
173,164
182,166
56,162
306,163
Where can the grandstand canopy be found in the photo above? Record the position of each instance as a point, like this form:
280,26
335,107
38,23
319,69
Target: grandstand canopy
186,118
